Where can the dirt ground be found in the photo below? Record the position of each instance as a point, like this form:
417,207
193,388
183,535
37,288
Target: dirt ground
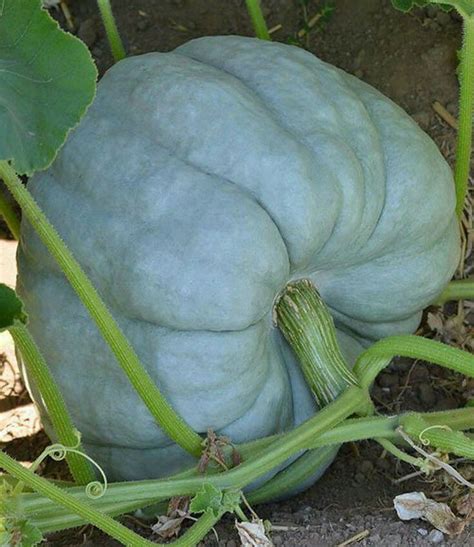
412,59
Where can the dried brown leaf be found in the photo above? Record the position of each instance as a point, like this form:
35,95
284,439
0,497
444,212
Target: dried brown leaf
252,534
415,505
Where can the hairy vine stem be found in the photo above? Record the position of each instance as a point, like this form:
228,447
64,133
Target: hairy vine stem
113,36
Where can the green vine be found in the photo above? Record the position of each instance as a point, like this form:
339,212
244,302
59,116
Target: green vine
113,36
53,401
258,21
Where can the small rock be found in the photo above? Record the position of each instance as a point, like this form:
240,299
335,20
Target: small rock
431,24
420,372
359,58
439,55
427,395
384,464
435,536
443,18
422,531
88,32
388,380
366,467
277,540
422,119
393,539
359,478
446,403
452,108
303,515
377,393
143,24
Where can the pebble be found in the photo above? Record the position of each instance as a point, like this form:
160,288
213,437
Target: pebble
277,540
366,467
431,24
393,539
443,18
384,464
420,372
426,394
359,478
88,32
422,531
439,55
388,380
435,536
422,119
452,108
143,24
359,58
447,403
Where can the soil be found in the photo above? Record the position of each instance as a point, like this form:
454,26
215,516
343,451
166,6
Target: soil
412,59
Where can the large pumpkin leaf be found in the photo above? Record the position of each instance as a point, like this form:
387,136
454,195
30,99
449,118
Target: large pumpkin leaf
11,308
47,81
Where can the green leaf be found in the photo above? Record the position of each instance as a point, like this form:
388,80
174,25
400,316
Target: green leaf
11,308
209,498
231,500
29,534
47,81
15,529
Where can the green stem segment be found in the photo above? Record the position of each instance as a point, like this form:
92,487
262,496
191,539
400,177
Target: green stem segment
100,520
440,437
460,289
258,21
113,36
466,111
67,435
399,454
13,222
309,328
123,497
174,426
376,358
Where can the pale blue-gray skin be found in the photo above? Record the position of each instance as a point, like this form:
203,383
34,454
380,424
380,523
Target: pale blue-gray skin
198,185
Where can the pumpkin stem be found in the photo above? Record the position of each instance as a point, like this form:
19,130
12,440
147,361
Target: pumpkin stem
308,327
